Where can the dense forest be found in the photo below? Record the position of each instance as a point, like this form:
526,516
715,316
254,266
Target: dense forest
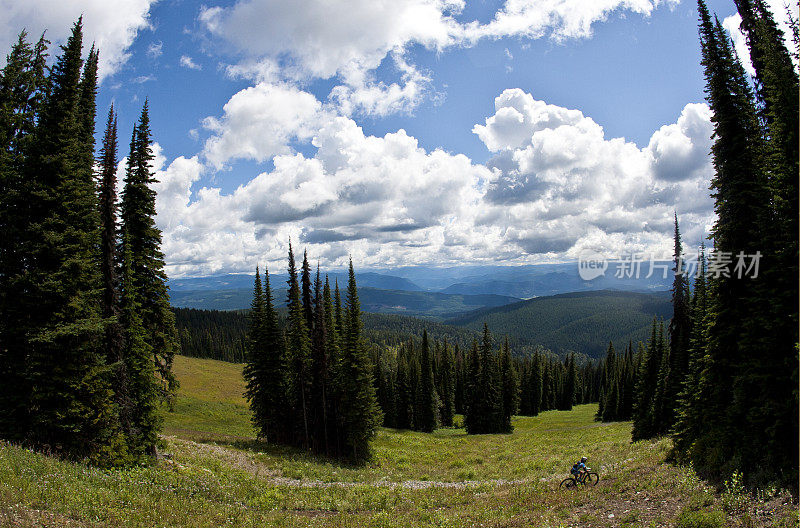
212,334
581,322
422,384
86,333
722,378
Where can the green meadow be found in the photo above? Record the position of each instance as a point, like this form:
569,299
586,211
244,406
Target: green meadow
215,473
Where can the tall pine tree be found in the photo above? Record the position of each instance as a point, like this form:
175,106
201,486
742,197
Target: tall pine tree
138,211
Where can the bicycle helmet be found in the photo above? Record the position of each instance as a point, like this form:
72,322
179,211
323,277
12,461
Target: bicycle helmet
584,459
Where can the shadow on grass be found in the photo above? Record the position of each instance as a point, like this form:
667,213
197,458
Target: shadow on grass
256,446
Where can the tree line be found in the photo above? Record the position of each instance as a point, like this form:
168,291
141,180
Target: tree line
422,385
86,333
212,334
722,378
309,384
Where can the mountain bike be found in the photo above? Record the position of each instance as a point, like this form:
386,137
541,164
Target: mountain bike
587,478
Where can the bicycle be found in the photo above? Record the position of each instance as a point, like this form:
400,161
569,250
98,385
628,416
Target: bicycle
586,478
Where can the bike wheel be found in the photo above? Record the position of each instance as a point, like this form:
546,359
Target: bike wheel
591,479
568,483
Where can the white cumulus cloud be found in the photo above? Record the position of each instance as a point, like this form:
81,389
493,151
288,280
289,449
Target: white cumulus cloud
112,26
555,187
349,39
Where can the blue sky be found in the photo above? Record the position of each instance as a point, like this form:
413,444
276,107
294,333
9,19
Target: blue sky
429,132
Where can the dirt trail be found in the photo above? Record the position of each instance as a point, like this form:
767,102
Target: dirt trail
246,462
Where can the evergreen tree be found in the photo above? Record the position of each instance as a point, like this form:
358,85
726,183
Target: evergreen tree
570,385
472,403
359,411
680,329
646,382
688,425
510,388
138,211
298,346
485,414
71,402
22,85
426,413
254,369
742,194
606,407
114,334
460,381
661,409
143,420
305,280
404,395
321,370
334,365
536,384
769,365
448,376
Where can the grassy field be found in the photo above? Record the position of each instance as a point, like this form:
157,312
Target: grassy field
217,474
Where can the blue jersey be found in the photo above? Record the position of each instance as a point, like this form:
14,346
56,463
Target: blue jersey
577,468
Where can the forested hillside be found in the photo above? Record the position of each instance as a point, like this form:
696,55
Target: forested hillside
581,322
222,335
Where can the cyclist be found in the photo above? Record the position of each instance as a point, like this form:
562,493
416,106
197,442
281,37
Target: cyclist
579,468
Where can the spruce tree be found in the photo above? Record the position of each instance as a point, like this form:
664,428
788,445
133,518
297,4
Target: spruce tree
298,347
332,352
22,85
536,384
359,409
769,367
109,260
143,420
254,368
646,382
570,385
605,409
688,416
307,294
138,211
485,414
472,400
661,408
71,402
447,386
680,329
404,396
426,414
742,197
510,388
321,371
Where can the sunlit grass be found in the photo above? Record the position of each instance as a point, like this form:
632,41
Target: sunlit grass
218,475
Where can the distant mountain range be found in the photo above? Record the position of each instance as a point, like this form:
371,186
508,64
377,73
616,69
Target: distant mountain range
416,303
245,281
427,291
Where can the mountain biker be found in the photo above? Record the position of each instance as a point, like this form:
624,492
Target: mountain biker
579,468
